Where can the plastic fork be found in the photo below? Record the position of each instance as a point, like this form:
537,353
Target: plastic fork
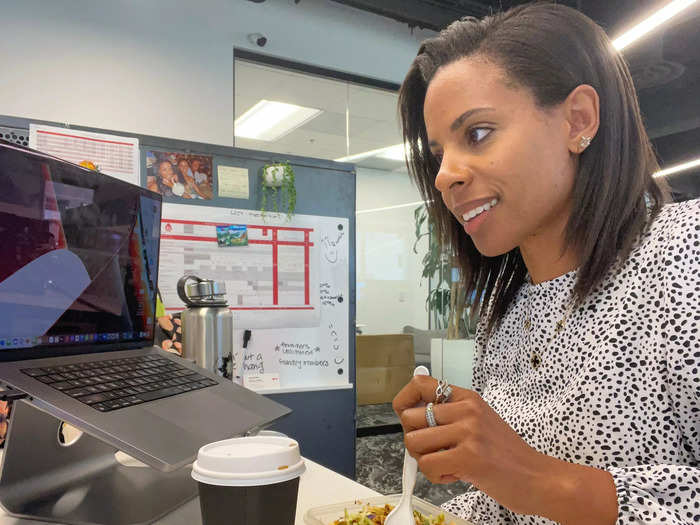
402,514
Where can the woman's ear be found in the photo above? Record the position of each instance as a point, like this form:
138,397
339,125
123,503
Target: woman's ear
582,111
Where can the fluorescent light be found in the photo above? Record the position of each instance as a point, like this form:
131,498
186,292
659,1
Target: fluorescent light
269,121
389,207
395,152
652,22
679,167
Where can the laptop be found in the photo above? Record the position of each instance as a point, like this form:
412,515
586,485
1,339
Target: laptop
78,286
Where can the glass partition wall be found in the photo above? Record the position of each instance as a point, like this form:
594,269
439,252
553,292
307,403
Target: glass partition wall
347,122
325,114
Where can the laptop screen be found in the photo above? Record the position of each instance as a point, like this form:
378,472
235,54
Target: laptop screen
80,256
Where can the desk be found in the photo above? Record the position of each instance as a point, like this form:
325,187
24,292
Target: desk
318,486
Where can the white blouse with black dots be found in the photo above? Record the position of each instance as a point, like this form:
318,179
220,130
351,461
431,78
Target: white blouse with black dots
618,388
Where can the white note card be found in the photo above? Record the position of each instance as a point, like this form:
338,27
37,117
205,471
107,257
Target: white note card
233,182
261,381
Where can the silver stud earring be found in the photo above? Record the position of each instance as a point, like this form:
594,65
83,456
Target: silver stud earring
584,142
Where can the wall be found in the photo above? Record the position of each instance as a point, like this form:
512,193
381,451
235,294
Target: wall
388,272
164,67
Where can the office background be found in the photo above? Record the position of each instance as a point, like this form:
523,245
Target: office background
166,68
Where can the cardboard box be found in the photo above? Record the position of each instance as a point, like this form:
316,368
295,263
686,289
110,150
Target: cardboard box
385,364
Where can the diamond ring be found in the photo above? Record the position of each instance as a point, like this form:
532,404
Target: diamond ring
443,392
430,415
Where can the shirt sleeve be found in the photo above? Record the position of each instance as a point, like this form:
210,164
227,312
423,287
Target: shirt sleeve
670,493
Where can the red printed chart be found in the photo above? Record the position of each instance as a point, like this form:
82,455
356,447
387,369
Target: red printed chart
270,273
114,155
271,282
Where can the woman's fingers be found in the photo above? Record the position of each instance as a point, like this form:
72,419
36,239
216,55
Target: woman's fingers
428,440
445,413
441,466
419,390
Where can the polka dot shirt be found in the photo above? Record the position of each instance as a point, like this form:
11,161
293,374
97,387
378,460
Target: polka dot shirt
618,387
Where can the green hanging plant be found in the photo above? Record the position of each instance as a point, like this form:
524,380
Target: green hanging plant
278,179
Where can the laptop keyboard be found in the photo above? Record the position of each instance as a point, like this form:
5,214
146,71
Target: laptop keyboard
120,383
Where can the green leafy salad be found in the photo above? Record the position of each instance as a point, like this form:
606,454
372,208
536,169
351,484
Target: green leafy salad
375,515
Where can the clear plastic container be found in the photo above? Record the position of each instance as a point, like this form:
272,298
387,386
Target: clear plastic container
327,514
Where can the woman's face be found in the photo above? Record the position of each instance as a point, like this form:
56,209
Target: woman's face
165,170
184,166
499,154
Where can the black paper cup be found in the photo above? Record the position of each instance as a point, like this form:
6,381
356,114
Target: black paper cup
249,481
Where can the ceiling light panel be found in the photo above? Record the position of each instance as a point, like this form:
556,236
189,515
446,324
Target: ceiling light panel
652,22
269,120
678,167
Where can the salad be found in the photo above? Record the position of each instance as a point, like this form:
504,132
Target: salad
375,515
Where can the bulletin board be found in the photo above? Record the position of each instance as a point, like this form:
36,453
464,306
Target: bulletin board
323,334
287,282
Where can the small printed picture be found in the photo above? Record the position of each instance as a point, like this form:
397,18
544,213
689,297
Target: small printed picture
179,175
233,235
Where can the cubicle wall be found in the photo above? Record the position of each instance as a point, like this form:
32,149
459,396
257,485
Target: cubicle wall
323,417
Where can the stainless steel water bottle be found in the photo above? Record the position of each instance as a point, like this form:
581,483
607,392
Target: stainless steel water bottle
207,324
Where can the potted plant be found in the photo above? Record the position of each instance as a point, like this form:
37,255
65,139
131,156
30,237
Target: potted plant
446,301
277,179
448,307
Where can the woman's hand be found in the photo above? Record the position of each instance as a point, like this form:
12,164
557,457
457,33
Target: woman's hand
472,443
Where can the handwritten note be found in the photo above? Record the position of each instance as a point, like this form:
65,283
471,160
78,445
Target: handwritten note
329,297
253,363
331,245
336,346
299,355
233,182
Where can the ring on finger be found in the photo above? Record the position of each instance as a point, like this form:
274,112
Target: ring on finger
442,392
430,415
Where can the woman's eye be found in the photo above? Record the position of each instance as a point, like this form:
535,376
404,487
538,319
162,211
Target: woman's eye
476,135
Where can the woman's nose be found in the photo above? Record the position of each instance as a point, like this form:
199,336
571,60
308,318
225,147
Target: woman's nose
451,173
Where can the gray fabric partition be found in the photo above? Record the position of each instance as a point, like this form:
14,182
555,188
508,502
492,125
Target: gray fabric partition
322,421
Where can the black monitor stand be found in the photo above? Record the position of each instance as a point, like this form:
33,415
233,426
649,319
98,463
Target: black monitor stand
81,484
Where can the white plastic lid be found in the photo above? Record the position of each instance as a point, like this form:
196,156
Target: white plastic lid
248,461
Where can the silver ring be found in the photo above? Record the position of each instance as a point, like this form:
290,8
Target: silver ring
442,392
430,416
448,394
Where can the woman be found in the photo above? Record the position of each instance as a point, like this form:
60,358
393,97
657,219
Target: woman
186,174
201,179
167,181
526,141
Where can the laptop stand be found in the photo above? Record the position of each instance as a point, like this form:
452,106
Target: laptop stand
81,484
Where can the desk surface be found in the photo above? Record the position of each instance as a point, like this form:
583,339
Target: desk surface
318,486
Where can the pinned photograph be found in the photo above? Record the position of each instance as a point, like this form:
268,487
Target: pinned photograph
180,175
232,235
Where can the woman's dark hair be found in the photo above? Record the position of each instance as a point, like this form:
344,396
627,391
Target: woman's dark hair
176,170
548,49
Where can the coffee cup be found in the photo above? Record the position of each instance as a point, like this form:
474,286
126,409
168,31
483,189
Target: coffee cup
249,480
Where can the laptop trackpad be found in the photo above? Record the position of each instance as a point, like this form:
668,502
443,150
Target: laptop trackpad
207,414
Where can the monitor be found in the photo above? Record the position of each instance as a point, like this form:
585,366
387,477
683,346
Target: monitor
79,269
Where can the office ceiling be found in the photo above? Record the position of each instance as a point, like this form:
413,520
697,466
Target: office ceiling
665,66
436,14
